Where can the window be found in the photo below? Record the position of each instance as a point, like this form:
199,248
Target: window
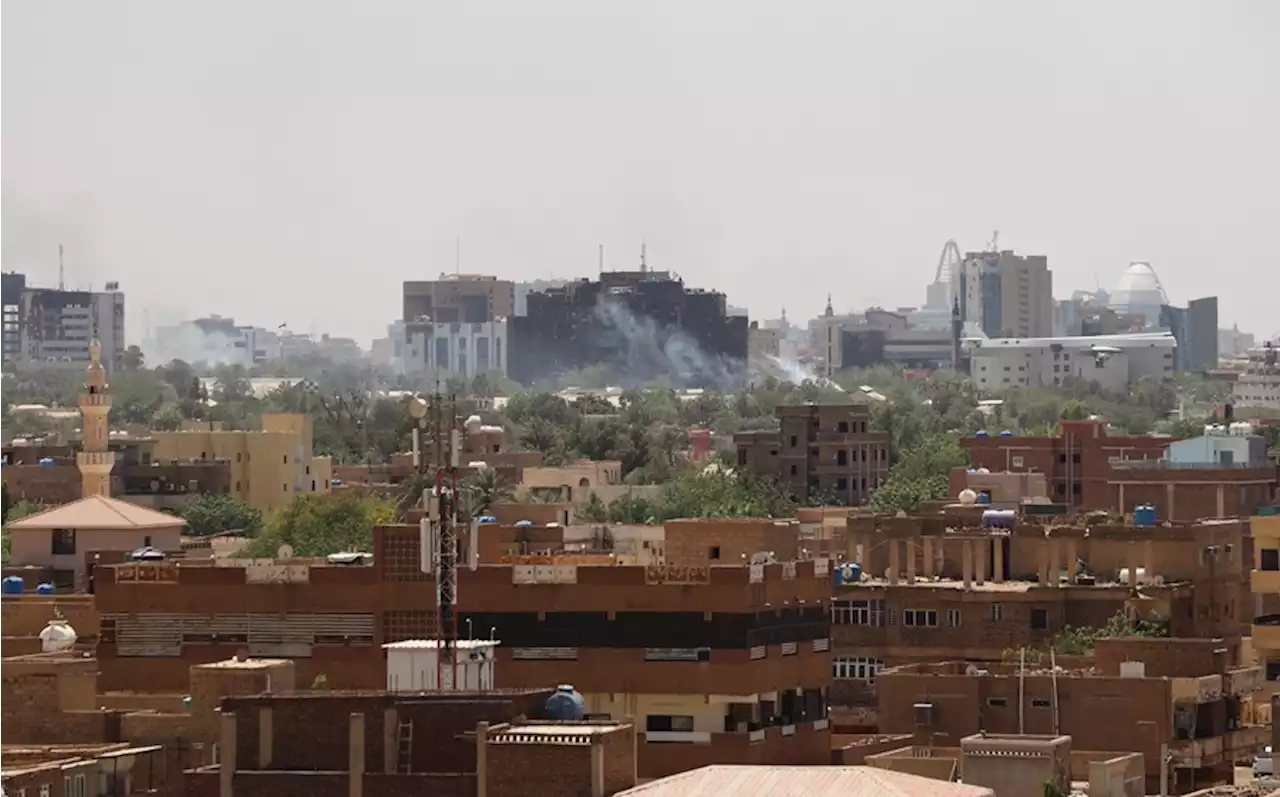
1039,620
953,618
44,790
793,441
793,470
868,613
63,542
286,459
843,427
313,485
79,787
997,702
842,457
666,723
713,552
1269,559
856,668
146,541
920,618
1041,702
742,456
997,612
237,456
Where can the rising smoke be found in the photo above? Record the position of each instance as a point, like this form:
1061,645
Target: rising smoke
648,351
190,343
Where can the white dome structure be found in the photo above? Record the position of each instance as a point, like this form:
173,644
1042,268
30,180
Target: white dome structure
1139,292
57,636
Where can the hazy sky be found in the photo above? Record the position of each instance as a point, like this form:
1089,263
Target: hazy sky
295,160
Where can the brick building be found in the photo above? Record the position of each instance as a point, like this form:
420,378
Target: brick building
450,744
944,587
717,662
1089,469
81,770
820,450
1180,696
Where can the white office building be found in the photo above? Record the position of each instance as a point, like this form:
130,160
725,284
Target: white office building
449,350
1257,387
1113,361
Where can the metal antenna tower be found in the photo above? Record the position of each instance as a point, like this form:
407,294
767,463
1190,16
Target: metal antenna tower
438,530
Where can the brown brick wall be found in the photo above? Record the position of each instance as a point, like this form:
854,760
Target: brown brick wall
327,784
560,769
728,542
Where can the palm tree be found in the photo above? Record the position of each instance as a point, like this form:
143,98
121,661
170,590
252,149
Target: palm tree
411,493
484,488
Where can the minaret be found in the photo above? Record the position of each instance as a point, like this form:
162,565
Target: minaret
95,461
828,312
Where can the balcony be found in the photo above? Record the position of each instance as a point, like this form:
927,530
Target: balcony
1266,632
1205,689
1242,681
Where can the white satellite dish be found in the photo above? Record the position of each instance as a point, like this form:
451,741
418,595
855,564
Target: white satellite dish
284,551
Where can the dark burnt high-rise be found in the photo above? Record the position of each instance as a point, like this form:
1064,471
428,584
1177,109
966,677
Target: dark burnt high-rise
641,324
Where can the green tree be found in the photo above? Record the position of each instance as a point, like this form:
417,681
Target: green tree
921,474
318,524
594,511
484,488
212,514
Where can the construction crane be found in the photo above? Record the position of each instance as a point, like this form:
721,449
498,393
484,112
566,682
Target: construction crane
438,535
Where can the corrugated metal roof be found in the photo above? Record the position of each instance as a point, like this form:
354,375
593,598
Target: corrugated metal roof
97,512
765,781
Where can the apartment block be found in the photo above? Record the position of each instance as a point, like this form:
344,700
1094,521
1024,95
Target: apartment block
1180,700
946,587
52,326
715,662
268,467
1265,583
827,450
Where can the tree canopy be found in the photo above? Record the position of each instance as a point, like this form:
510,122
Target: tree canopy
318,524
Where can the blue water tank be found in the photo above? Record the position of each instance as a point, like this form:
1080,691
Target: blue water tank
1144,515
47,462
980,433
848,573
999,518
488,519
44,589
984,498
565,704
13,585
1006,433
524,522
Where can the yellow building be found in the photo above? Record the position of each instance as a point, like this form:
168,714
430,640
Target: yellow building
268,467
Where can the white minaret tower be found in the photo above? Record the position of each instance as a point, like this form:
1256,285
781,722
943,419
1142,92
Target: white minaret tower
95,461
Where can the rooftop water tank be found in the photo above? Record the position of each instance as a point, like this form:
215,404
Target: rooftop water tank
1144,515
999,518
848,573
147,554
44,589
983,498
1006,433
524,522
565,704
980,433
13,585
57,635
46,462
967,496
983,471
487,519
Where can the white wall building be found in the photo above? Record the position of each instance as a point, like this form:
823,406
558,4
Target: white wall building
1113,361
1258,385
461,349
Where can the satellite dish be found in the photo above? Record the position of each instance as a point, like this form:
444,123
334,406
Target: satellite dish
284,551
418,407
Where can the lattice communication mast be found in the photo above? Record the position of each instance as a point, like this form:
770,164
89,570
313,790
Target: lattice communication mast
438,530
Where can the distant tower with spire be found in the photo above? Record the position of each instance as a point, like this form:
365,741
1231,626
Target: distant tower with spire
95,461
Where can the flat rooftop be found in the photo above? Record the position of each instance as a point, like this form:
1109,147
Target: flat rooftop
246,664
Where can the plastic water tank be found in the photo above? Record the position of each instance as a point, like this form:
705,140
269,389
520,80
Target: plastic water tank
983,498
999,518
13,585
44,589
1144,515
980,433
487,519
967,496
848,573
57,635
565,704
47,462
524,522
1006,433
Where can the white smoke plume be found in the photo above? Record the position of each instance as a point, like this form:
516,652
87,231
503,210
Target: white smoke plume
654,352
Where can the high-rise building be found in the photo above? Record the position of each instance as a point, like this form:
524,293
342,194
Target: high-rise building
50,325
1007,295
1195,327
459,298
642,323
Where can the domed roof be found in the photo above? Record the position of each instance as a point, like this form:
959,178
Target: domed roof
1139,291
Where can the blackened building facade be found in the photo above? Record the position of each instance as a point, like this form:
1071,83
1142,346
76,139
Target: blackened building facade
641,323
